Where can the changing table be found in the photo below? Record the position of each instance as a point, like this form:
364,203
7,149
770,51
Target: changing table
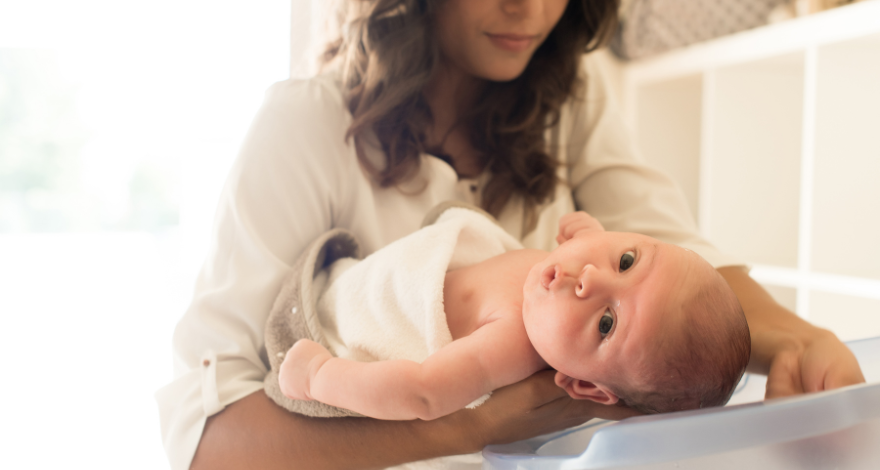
837,429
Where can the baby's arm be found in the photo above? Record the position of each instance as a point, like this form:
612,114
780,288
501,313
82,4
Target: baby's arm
497,354
571,224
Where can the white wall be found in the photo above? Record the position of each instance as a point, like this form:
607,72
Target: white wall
772,133
87,310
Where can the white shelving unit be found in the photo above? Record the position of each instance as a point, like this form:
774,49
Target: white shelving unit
774,136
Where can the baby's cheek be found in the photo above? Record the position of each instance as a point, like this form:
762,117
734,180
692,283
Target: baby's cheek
556,340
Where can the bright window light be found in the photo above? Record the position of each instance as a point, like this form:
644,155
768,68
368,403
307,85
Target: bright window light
118,123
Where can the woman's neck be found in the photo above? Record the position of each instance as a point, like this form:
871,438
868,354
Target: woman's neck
451,94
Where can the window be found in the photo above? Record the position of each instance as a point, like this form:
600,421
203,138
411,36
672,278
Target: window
118,122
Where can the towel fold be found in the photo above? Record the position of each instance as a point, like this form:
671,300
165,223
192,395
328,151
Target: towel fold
390,305
386,306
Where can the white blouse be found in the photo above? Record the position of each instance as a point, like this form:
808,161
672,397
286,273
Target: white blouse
297,177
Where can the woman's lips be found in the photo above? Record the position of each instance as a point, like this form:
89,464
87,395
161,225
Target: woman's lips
512,42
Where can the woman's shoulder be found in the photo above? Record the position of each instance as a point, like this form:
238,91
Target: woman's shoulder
593,86
592,102
316,96
299,129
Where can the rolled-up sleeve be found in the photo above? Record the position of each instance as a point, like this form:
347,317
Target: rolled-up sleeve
611,182
281,193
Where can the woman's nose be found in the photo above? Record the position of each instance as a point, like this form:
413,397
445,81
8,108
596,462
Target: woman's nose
592,281
521,8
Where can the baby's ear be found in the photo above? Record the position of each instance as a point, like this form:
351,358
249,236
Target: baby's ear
584,390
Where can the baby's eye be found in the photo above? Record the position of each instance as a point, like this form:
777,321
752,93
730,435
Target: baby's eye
605,323
627,260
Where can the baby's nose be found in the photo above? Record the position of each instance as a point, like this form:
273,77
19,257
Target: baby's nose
591,282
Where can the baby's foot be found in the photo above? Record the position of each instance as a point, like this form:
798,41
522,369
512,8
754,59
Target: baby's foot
296,370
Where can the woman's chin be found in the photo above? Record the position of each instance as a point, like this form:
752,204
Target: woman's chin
502,70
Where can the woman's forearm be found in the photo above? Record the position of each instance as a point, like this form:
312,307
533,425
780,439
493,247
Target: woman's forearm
256,433
773,327
796,356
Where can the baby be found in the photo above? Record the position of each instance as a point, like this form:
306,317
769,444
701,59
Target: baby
623,318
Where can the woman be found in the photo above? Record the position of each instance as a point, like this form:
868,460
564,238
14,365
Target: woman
486,101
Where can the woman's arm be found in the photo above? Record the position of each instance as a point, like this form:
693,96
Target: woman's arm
256,433
796,356
295,178
281,193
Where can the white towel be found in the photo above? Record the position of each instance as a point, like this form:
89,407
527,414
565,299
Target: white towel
390,304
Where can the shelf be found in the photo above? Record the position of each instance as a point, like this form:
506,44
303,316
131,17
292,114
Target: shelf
826,282
772,134
754,145
840,24
669,124
850,318
846,200
848,306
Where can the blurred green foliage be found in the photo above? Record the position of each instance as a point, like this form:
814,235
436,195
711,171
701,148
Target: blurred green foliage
152,201
42,140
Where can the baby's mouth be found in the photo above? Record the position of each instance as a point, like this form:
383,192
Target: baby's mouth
548,275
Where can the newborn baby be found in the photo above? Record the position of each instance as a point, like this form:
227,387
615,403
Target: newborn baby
623,318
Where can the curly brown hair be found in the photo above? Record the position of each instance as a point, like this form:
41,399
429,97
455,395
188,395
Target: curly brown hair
387,51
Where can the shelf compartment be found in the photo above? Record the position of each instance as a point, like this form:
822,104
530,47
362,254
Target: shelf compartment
846,197
668,130
850,318
754,156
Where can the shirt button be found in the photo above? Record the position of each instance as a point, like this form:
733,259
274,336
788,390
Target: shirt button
206,362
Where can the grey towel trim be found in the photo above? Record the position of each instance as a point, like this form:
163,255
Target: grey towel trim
294,316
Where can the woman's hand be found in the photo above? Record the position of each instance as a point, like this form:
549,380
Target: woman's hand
571,224
796,356
530,408
300,364
254,432
823,364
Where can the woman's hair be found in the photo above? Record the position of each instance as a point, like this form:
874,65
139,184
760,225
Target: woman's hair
387,51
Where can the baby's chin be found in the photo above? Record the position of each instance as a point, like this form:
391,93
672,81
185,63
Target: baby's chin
530,315
531,286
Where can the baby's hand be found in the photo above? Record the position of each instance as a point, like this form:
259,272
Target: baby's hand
571,224
301,361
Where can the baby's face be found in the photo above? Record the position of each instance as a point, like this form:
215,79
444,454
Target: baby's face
593,306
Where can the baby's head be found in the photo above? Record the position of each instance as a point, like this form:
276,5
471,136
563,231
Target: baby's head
625,318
